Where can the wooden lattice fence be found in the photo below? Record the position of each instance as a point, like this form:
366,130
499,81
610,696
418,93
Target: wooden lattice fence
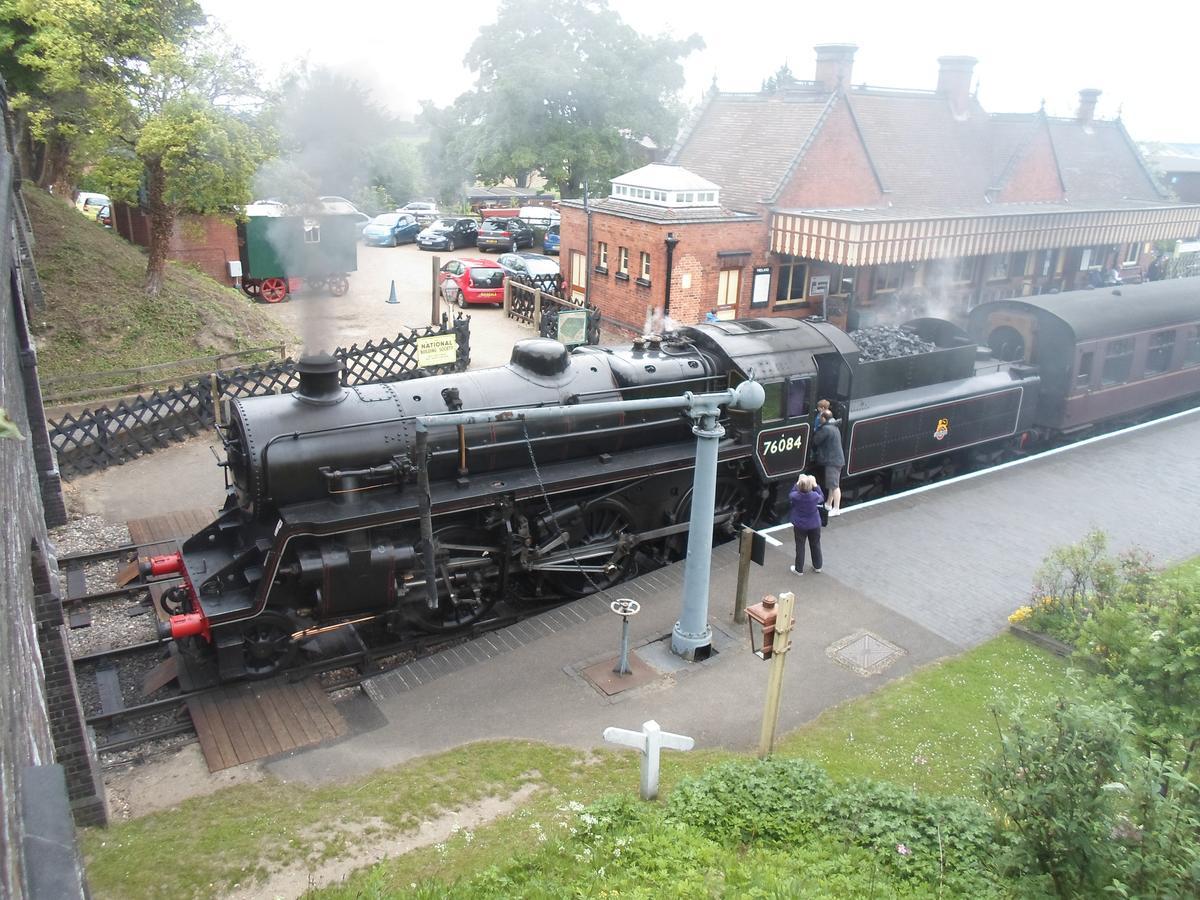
538,301
97,438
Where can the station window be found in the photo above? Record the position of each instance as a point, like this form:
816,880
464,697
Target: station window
1118,359
645,266
997,267
1158,355
888,278
789,286
602,255
1132,254
623,261
1047,262
1083,378
965,268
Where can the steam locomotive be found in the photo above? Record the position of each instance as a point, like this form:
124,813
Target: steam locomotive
334,502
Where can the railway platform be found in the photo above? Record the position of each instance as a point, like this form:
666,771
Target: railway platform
907,581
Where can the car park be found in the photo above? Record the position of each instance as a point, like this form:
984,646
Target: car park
390,229
504,234
472,281
424,211
89,204
539,216
449,234
528,265
550,240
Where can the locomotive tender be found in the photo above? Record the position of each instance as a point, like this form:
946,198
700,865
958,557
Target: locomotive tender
327,494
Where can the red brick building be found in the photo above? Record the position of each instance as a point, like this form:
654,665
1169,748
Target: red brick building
868,204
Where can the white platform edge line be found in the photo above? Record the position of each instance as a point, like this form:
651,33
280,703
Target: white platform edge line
1008,465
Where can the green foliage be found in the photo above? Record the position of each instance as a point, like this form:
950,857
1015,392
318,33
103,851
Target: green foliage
1146,650
1086,812
565,89
1076,580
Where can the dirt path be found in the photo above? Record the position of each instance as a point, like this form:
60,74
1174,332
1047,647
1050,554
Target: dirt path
296,880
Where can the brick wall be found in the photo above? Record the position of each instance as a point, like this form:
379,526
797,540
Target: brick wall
1035,177
206,242
33,705
835,172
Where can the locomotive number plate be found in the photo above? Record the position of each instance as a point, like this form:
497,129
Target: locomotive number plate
781,451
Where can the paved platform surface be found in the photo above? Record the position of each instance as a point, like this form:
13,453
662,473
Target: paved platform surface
933,573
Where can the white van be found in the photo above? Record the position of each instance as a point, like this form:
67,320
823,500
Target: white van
539,216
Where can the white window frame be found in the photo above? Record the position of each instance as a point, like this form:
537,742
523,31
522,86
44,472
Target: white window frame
645,266
602,254
725,289
623,260
1132,255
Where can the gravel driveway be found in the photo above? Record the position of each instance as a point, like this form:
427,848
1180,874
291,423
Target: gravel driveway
363,314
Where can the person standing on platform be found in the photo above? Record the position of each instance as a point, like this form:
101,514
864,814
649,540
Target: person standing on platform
806,499
827,452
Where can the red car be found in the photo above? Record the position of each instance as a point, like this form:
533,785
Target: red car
466,281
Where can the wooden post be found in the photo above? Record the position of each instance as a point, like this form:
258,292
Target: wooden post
745,543
537,310
434,317
507,297
783,642
216,398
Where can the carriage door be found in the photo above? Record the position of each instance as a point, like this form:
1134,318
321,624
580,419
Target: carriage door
785,425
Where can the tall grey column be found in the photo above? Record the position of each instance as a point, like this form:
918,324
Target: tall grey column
692,636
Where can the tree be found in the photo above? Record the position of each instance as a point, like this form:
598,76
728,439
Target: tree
67,63
568,90
181,138
780,79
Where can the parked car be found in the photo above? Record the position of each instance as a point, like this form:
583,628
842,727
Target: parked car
335,204
529,265
90,204
390,229
550,240
472,281
423,211
104,216
449,234
540,216
361,221
504,234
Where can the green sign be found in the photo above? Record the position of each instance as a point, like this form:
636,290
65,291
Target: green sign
572,327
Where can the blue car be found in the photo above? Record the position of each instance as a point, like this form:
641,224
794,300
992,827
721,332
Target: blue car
390,229
550,241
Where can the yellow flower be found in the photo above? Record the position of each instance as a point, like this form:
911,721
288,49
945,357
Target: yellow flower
1020,614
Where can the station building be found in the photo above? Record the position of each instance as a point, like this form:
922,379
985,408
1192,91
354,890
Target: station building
867,205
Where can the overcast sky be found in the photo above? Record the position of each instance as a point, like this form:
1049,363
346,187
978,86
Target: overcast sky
1142,56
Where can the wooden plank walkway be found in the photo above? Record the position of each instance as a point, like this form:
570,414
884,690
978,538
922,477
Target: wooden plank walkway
244,722
162,531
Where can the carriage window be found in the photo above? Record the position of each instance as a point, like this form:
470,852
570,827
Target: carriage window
1158,356
772,408
797,400
1117,360
1084,376
312,232
1191,348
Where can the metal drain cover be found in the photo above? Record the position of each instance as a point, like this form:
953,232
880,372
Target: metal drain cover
864,653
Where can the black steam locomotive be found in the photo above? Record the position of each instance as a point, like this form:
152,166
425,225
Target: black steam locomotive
328,497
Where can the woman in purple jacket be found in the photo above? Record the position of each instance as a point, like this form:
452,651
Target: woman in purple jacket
806,498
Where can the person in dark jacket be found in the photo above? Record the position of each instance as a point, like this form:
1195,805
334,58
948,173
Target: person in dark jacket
827,452
806,499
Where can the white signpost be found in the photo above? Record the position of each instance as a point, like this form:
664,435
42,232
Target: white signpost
650,741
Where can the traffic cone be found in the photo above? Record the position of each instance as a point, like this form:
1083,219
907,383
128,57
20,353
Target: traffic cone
392,296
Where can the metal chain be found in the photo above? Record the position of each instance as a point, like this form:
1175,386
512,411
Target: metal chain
550,510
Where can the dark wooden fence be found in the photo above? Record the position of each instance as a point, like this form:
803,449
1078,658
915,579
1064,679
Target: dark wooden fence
97,438
538,301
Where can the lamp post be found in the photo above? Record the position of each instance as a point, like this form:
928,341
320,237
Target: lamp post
770,638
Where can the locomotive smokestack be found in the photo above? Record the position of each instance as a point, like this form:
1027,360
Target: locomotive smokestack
320,379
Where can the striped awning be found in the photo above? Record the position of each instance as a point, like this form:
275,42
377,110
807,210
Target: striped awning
866,237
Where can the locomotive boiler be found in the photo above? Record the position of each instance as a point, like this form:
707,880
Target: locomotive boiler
337,515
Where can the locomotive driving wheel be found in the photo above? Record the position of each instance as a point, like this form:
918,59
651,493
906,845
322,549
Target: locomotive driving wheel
591,551
731,510
470,569
273,289
267,644
339,285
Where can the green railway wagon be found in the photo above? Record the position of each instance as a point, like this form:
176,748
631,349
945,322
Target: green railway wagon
281,253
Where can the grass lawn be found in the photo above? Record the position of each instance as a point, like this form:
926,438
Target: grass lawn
940,714
98,318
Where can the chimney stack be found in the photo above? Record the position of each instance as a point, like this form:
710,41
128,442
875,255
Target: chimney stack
954,82
1087,106
835,62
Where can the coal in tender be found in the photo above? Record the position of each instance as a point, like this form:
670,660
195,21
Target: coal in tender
888,342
